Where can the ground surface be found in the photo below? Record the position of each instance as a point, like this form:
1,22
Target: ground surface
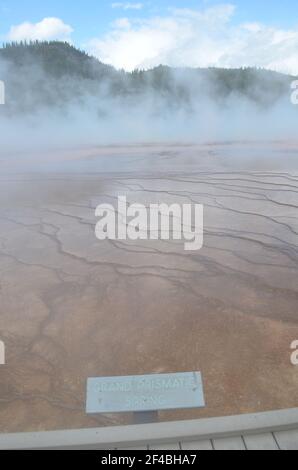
73,307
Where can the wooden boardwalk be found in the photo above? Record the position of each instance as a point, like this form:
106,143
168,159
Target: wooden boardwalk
276,430
284,440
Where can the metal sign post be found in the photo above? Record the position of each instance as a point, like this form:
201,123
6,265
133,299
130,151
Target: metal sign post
145,417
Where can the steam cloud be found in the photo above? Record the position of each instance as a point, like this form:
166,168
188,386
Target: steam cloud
46,109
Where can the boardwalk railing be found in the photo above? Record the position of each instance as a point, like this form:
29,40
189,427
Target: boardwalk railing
281,425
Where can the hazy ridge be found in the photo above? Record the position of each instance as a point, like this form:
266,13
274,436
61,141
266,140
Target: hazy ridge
59,95
55,73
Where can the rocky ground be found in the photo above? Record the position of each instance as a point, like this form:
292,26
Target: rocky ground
73,307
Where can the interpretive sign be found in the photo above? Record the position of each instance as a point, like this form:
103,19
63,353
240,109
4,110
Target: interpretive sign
145,393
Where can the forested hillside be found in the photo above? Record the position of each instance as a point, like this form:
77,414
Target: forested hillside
54,74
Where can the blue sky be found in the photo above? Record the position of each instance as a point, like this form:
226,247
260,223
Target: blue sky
92,17
95,26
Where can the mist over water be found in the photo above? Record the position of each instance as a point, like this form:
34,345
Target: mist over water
49,107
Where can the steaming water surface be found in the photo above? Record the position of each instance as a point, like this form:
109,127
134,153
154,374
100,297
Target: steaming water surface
72,307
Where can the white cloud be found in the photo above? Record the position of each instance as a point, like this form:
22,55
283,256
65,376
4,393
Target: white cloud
197,38
122,23
127,5
47,29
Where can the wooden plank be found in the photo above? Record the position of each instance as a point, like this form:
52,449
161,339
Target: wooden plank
287,440
229,443
133,448
172,446
197,445
264,441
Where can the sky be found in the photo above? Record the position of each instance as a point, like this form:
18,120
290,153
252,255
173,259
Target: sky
143,34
